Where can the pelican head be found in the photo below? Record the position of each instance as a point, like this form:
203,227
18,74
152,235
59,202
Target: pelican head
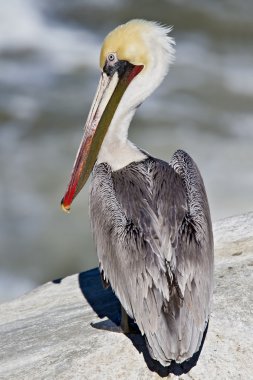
134,59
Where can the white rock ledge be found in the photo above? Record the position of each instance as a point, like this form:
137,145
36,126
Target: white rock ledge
61,330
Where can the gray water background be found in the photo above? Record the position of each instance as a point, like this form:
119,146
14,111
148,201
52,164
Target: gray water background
48,75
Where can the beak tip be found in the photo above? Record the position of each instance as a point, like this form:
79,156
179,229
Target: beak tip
64,207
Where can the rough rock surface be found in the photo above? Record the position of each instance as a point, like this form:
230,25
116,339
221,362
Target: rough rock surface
61,330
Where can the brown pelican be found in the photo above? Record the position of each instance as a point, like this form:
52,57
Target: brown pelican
150,218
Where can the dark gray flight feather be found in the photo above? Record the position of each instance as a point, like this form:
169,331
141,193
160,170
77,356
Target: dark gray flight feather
152,228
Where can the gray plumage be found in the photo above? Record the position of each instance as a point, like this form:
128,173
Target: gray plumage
152,228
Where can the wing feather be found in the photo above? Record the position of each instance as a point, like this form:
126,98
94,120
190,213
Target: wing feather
152,228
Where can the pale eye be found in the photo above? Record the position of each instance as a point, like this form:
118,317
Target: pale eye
111,57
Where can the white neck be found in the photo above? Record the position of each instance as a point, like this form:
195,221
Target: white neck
117,150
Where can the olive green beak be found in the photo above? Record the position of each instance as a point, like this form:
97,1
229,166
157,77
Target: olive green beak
109,93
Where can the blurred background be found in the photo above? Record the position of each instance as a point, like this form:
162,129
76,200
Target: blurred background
49,71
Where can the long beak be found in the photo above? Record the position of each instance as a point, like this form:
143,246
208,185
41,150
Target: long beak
109,93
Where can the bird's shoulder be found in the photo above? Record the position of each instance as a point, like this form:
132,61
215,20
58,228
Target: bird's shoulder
172,190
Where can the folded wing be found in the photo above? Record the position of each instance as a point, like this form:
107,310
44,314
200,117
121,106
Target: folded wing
153,233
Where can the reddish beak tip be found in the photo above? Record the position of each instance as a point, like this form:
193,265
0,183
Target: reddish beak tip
65,208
